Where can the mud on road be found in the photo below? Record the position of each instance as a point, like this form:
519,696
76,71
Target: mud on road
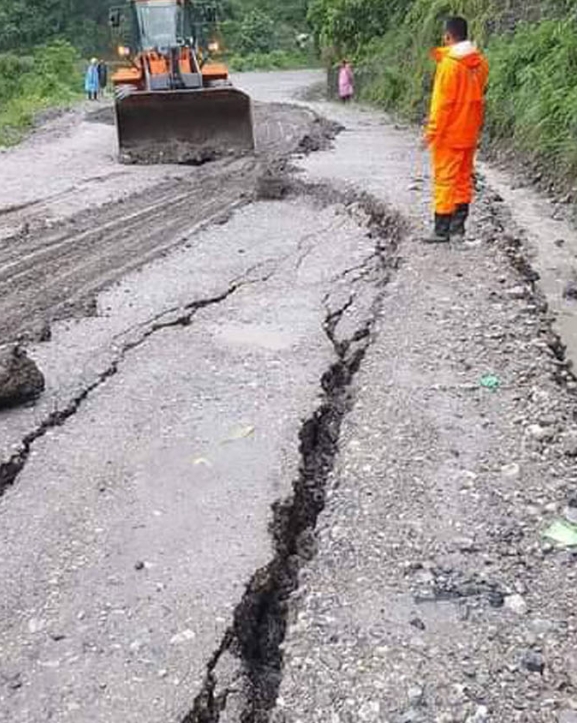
310,354
172,421
53,269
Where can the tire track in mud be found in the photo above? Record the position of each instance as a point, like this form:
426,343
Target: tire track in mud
62,271
51,273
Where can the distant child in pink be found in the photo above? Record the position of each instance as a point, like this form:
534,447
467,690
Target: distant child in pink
346,83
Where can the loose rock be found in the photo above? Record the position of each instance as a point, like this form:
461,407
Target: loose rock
570,445
570,290
534,662
517,292
539,433
510,471
479,716
516,603
20,379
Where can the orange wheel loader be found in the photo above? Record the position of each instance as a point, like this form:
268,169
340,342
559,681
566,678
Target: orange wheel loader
173,103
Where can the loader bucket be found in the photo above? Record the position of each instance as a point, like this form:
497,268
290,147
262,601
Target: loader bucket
183,126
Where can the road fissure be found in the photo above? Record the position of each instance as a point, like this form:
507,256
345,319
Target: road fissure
254,640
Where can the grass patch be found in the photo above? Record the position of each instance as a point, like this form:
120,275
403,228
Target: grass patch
49,77
532,98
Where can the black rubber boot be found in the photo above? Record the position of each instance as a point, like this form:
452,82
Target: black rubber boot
442,232
459,219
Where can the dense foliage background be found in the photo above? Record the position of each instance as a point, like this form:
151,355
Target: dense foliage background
248,26
28,23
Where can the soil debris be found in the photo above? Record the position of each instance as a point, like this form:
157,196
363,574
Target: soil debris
21,380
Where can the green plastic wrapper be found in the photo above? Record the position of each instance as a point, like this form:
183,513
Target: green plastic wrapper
562,533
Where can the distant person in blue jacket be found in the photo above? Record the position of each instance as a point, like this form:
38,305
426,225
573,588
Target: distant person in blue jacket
92,80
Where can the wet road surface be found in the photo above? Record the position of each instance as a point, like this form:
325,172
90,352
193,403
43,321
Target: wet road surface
144,575
169,426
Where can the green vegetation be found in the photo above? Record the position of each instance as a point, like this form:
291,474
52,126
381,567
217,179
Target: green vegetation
248,26
25,24
532,48
266,34
532,100
42,43
48,77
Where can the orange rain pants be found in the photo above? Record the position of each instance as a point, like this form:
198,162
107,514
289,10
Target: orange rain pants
453,177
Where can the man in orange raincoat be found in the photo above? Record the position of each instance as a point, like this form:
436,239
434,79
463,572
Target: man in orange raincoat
454,127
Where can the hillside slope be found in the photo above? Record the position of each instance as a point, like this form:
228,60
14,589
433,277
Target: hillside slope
532,47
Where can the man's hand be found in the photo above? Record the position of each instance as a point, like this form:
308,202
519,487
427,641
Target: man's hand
427,138
425,143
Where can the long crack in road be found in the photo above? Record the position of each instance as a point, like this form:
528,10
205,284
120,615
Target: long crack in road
264,482
154,465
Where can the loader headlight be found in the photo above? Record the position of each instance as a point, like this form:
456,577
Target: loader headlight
213,47
123,51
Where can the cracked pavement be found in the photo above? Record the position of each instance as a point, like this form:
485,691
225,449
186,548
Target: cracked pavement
264,482
152,500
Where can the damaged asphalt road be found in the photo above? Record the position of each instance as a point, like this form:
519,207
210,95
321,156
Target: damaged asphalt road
264,481
152,501
169,426
57,250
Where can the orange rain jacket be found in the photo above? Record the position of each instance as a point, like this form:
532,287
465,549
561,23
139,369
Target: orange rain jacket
458,105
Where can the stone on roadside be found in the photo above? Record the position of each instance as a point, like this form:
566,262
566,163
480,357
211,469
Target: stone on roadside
570,444
510,471
480,715
516,603
185,636
20,379
370,711
539,433
534,662
570,290
416,696
570,514
518,292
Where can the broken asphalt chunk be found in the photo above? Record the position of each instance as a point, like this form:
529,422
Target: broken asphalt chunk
20,379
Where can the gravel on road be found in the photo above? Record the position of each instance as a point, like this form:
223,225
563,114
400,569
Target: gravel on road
295,466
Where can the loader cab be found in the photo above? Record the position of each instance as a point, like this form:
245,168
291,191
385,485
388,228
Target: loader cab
161,25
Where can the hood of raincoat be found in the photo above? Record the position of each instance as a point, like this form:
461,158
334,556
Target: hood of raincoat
465,52
457,105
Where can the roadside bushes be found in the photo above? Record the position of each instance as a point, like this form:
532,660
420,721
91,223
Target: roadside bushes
259,40
49,76
532,98
532,49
